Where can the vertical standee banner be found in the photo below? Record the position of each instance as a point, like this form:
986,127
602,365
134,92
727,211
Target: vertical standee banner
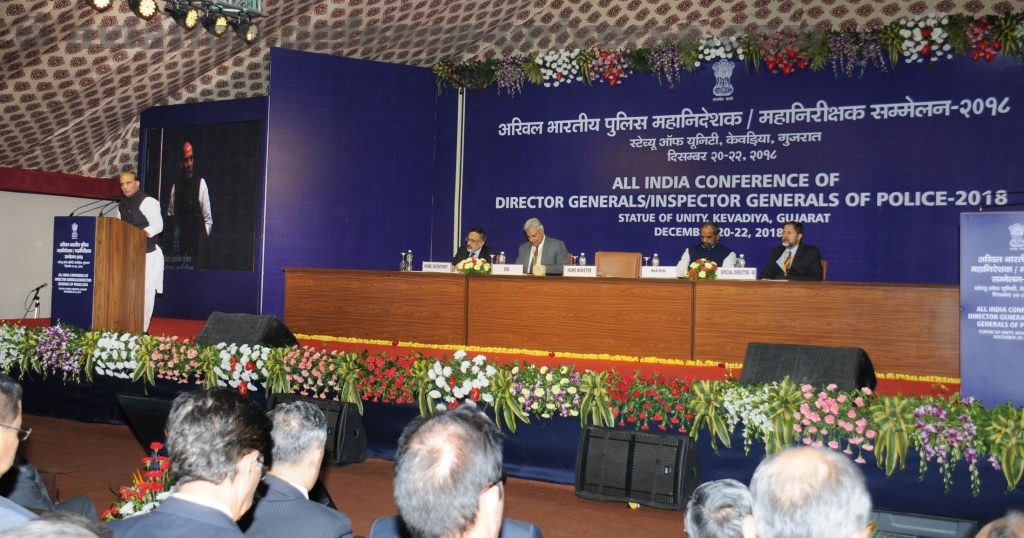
992,306
74,257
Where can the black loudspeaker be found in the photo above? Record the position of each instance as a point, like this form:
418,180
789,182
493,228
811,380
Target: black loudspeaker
346,438
245,329
899,525
848,367
652,469
147,417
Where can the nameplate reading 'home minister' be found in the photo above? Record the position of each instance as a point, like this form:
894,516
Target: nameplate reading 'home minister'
585,271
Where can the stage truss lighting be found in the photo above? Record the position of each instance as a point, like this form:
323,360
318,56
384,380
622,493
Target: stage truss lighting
215,23
247,30
215,15
185,15
99,5
145,9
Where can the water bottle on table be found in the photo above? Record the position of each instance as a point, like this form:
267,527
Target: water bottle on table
655,261
583,258
741,261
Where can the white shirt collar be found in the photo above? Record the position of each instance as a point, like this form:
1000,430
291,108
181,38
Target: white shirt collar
209,503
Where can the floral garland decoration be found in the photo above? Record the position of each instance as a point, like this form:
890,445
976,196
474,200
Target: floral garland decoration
926,38
779,414
702,269
150,486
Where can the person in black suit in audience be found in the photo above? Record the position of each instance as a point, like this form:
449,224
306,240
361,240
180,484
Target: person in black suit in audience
11,434
216,441
476,245
794,259
449,480
282,507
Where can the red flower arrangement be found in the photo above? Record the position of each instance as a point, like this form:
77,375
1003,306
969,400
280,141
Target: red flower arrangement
387,379
650,402
150,486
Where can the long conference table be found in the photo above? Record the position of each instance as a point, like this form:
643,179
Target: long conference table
904,328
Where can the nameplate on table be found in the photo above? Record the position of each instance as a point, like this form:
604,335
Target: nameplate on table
737,273
506,269
662,271
586,271
437,267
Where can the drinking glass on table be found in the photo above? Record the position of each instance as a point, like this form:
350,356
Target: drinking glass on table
646,258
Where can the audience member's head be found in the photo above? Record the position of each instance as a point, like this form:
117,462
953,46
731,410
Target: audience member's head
58,524
449,479
300,431
808,492
716,509
218,438
10,421
1011,526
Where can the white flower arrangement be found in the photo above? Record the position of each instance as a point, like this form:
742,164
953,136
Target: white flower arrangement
241,366
748,404
115,355
714,48
10,335
559,67
924,39
473,266
460,380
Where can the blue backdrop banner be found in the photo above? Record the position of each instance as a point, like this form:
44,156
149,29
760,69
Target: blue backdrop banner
877,168
992,306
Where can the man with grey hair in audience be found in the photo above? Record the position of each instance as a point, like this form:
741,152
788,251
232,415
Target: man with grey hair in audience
808,492
284,509
716,509
216,441
450,482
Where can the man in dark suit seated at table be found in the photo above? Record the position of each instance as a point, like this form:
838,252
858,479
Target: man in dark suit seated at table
216,441
283,507
794,259
476,246
541,255
450,482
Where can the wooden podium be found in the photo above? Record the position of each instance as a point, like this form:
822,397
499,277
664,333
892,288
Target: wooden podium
99,273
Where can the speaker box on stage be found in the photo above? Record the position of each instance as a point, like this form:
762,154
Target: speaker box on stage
146,417
901,525
652,469
848,367
346,438
245,329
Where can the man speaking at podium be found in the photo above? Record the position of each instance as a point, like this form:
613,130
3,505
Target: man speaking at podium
143,211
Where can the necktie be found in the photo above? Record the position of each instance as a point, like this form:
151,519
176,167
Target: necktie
787,262
533,259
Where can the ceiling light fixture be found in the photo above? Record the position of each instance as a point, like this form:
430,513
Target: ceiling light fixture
215,23
145,9
247,30
185,15
99,5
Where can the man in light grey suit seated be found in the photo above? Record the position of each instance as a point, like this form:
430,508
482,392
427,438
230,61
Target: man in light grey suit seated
11,515
541,255
450,482
283,507
216,441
